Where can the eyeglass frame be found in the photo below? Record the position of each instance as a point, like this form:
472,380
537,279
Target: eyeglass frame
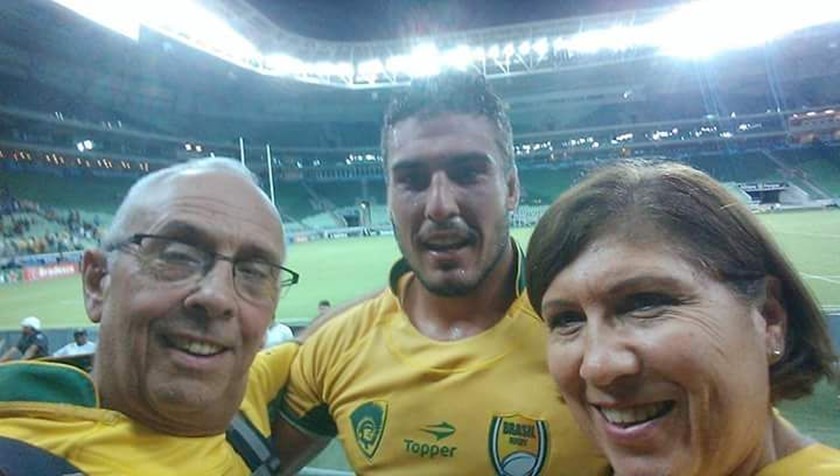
137,240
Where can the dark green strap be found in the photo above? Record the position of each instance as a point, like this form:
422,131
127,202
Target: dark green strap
18,458
257,451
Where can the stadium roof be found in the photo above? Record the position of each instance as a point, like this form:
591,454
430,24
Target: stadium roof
52,60
371,20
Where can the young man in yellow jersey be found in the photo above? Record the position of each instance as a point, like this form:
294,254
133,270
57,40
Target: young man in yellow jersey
184,287
444,372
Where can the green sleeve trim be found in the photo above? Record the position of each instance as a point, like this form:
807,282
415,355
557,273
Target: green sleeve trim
316,422
397,271
46,383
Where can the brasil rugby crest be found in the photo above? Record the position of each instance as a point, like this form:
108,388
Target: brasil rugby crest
518,445
368,422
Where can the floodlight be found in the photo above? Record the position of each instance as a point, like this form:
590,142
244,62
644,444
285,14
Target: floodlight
121,17
524,48
282,64
459,57
541,47
493,52
478,54
684,33
80,147
370,69
509,50
88,144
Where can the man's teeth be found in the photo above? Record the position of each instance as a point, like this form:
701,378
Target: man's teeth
635,415
196,347
444,245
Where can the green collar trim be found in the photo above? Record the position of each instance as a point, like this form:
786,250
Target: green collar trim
46,383
401,267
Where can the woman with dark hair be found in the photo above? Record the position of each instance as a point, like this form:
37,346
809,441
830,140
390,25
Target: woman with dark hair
676,325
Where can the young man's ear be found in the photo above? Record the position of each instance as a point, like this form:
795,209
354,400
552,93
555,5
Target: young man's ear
95,281
775,318
513,191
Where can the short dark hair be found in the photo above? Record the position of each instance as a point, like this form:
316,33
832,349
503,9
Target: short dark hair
708,227
323,302
451,92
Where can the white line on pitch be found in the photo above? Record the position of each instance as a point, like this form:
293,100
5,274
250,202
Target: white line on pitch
821,278
805,233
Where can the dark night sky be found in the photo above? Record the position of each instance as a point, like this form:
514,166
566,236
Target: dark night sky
363,20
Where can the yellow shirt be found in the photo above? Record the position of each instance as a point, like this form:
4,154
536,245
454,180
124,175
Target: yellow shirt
402,403
62,415
813,460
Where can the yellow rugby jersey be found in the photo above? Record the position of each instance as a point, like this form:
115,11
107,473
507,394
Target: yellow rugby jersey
402,403
56,407
813,460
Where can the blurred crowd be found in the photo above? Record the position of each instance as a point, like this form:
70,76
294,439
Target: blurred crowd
28,228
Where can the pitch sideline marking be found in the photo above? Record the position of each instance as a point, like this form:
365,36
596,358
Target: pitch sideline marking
827,279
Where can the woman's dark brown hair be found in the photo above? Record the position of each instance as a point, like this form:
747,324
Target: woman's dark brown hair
709,227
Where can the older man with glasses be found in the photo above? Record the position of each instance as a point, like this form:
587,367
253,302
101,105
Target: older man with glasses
183,288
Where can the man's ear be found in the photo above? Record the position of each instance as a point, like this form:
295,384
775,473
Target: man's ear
95,282
775,318
513,191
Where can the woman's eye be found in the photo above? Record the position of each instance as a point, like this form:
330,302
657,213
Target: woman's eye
566,322
647,304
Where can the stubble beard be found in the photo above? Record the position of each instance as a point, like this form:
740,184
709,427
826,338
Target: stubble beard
460,288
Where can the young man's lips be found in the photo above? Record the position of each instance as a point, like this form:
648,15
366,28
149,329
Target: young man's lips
443,247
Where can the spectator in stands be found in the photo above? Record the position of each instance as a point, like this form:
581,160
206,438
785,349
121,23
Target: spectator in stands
278,334
183,289
80,345
33,344
323,306
677,325
444,372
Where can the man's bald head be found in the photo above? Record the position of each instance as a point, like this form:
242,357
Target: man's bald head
142,195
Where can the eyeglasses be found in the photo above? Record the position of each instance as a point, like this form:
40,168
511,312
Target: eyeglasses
172,260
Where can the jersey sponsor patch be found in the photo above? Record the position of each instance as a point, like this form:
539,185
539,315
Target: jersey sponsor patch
440,431
518,445
424,447
368,422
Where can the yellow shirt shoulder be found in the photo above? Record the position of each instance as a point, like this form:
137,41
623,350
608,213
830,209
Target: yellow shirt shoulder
814,460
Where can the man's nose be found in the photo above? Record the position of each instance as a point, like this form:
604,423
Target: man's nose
441,204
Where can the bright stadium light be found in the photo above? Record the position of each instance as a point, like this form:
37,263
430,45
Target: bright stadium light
613,39
708,27
327,69
698,29
541,47
508,50
459,57
424,61
119,16
370,70
478,54
191,23
279,64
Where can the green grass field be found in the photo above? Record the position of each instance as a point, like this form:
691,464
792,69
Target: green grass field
342,270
